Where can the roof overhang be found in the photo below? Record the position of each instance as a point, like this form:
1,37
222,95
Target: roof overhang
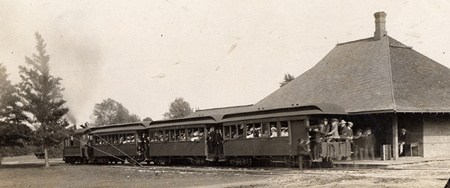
316,109
201,120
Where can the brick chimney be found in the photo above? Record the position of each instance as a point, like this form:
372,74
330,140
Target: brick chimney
380,25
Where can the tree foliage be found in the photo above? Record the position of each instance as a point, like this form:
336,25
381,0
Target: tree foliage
178,108
110,112
287,78
147,119
42,99
13,132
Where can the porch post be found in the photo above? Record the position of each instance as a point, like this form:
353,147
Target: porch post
395,136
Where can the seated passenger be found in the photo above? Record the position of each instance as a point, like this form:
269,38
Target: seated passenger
257,133
182,137
284,131
250,133
273,132
195,136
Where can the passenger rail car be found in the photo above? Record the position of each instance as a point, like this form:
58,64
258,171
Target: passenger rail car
118,143
104,144
180,140
272,135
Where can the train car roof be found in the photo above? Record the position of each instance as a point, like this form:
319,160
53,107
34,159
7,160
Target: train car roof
133,126
294,110
184,121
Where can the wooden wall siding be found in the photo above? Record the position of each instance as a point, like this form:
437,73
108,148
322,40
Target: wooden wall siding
436,136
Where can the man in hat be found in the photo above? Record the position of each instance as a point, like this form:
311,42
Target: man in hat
350,130
334,129
401,140
327,125
341,130
358,146
369,144
303,151
211,141
316,134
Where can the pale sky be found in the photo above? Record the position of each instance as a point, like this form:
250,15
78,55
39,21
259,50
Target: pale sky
144,54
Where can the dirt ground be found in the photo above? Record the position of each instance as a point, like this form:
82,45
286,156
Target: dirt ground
29,172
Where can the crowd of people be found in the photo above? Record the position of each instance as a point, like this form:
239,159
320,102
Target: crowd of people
362,142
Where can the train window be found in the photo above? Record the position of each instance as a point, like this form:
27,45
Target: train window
201,133
265,128
122,139
182,135
153,136
284,128
194,134
257,131
273,129
233,132
226,131
250,131
139,137
240,130
166,135
189,134
160,136
176,135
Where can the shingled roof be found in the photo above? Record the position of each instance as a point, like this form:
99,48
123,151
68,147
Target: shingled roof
370,75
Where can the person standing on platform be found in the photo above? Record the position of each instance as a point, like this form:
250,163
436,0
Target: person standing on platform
327,126
211,141
316,134
369,144
334,129
401,141
303,152
358,147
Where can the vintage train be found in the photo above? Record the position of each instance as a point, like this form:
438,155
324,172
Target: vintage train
236,138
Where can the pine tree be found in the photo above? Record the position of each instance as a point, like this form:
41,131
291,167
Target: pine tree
287,78
12,131
42,99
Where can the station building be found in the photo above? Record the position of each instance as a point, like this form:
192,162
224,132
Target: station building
383,85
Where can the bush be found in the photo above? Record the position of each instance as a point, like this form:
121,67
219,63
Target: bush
11,151
53,152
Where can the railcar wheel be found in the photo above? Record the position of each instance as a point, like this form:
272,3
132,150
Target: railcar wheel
162,161
241,161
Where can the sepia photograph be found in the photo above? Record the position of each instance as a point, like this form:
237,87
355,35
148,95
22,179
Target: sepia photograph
226,94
